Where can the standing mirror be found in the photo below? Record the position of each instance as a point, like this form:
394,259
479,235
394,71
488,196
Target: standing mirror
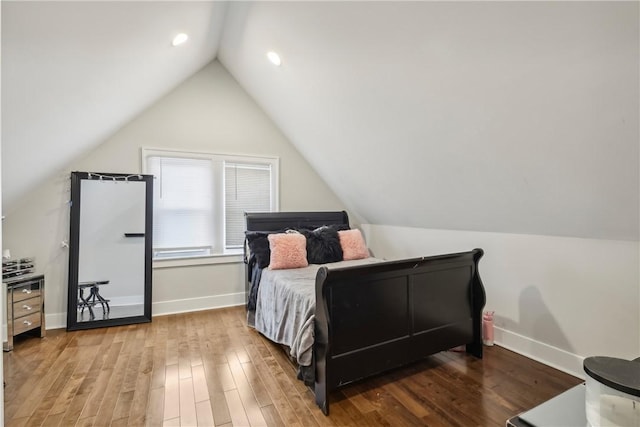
110,250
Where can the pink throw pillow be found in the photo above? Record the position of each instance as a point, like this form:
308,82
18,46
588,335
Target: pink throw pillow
288,250
353,245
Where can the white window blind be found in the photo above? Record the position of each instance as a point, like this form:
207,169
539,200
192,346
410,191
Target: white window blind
183,202
247,189
200,200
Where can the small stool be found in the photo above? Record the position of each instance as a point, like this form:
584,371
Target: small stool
93,298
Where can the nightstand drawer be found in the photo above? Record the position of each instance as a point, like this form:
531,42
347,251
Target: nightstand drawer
26,291
26,323
26,307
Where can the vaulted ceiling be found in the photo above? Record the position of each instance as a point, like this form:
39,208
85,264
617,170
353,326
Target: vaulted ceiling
514,117
75,72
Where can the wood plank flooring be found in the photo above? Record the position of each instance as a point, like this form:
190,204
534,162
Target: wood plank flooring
209,369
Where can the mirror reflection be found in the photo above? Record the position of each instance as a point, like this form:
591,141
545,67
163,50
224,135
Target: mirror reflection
110,258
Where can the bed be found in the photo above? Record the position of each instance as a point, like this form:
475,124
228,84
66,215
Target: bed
364,317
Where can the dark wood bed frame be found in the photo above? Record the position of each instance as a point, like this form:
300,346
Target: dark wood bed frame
376,317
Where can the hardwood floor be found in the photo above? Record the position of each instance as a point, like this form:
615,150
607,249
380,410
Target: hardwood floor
208,368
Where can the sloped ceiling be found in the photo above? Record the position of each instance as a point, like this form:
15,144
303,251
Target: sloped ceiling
491,116
75,72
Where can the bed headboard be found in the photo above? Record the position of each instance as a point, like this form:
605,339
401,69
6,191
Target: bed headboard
273,221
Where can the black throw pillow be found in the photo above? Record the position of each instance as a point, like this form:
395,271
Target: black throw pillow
258,243
323,245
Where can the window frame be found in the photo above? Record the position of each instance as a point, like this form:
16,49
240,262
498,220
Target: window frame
219,253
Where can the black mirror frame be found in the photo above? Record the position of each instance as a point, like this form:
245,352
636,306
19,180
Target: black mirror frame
74,243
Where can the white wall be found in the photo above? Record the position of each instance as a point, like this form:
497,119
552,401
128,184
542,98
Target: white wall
208,112
557,299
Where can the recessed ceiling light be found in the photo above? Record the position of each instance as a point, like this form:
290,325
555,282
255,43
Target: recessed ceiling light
274,58
179,39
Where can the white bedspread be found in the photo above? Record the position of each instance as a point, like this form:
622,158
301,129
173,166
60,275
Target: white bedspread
286,303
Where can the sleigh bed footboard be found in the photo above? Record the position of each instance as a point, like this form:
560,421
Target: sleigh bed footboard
373,318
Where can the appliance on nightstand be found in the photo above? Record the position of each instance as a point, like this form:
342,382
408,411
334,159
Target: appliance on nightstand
613,391
610,397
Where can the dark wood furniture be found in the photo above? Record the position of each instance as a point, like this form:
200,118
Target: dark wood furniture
25,307
376,317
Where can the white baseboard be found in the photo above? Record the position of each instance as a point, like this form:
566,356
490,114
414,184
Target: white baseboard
197,304
55,320
59,320
541,352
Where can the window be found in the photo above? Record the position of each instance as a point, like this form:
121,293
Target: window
199,200
246,189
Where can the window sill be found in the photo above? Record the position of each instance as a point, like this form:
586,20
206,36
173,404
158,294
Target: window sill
229,258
